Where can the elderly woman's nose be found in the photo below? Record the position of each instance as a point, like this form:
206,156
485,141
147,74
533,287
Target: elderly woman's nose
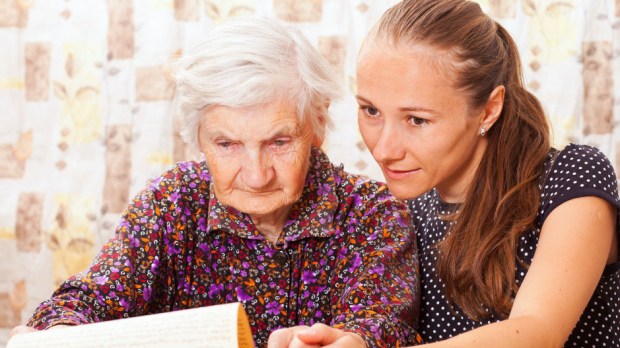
257,170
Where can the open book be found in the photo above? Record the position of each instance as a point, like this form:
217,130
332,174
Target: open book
218,326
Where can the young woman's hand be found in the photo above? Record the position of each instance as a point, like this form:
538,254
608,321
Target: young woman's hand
318,335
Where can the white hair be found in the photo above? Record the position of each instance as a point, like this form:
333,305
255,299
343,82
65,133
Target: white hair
250,61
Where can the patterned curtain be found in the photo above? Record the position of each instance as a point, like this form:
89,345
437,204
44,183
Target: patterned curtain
86,118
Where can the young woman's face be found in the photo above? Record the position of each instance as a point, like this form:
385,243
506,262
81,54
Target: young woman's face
418,127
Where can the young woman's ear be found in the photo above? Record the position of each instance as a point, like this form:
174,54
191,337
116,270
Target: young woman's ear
493,108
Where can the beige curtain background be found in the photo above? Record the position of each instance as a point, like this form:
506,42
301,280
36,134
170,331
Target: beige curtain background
85,114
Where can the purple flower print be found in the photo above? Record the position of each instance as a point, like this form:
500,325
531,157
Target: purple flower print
124,302
273,308
378,269
400,220
357,200
337,179
356,261
308,276
129,264
202,224
204,175
124,224
242,296
174,197
323,189
215,289
185,167
251,244
148,292
181,283
155,183
173,249
375,234
133,241
357,307
100,299
155,266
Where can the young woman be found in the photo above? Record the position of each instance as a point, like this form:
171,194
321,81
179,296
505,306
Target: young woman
518,241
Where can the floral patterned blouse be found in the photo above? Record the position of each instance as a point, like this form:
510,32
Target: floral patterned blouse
346,257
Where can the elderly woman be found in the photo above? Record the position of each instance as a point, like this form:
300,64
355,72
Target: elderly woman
265,219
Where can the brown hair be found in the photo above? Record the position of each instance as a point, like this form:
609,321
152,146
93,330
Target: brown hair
478,256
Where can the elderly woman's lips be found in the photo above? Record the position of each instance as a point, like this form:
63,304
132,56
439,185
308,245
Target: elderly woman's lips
259,193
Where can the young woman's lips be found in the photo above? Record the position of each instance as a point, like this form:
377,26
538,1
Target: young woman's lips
394,174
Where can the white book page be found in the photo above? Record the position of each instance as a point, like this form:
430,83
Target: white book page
221,326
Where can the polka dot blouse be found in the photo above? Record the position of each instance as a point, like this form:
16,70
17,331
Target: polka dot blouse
576,171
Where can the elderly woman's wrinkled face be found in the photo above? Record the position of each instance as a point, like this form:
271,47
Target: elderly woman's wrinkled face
258,155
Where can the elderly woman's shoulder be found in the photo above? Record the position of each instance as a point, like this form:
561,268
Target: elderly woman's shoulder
188,171
189,176
364,186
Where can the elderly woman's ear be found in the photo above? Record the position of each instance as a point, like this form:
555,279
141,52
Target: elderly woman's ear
319,137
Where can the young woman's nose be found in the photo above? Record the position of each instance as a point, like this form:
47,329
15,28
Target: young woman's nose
388,146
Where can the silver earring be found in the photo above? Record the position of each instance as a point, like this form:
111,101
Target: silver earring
483,131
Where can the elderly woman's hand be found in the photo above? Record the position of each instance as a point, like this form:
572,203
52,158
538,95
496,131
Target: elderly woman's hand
20,330
318,335
284,338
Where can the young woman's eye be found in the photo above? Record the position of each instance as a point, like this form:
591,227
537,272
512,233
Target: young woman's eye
417,121
370,111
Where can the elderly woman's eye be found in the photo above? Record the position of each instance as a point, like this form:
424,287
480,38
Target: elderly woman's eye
280,142
225,144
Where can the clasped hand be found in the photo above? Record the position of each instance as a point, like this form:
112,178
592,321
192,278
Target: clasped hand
317,335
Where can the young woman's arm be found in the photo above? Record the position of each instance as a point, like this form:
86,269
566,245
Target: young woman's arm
574,247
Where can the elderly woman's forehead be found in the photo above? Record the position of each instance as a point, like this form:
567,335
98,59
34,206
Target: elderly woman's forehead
281,103
276,114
